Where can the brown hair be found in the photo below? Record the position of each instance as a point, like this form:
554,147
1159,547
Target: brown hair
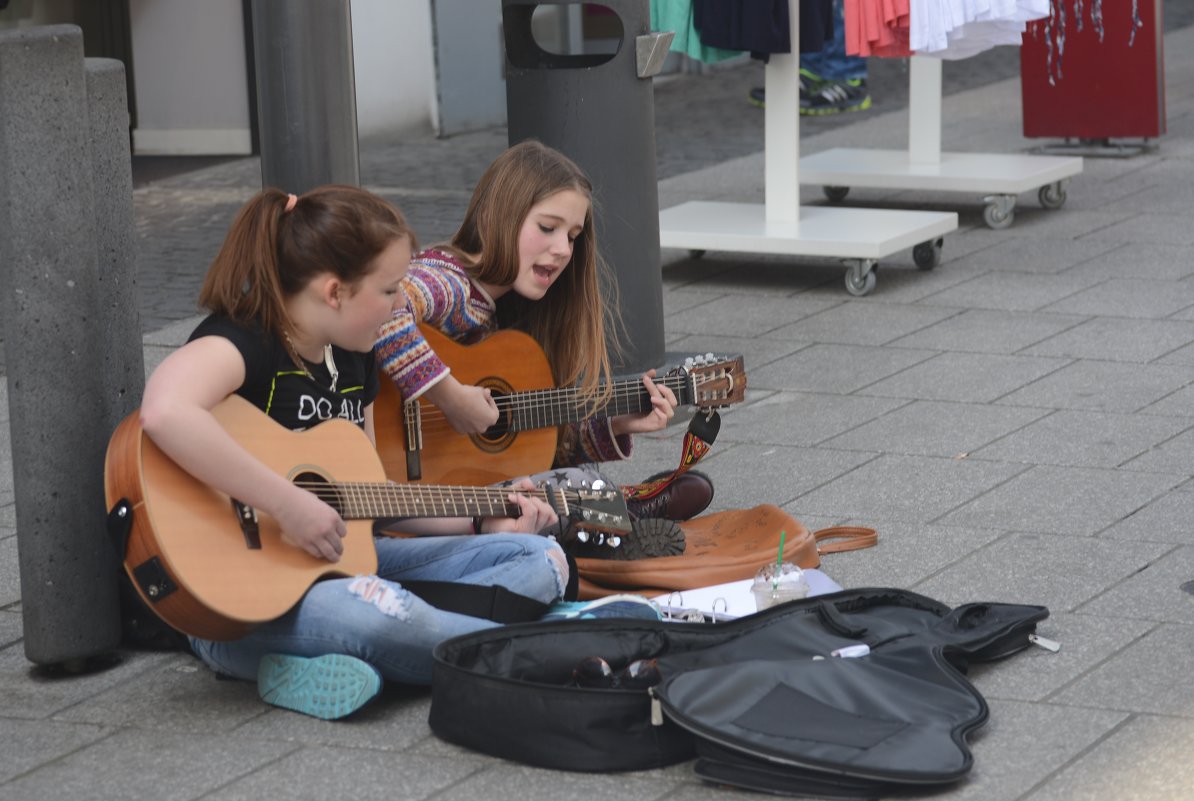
270,253
570,321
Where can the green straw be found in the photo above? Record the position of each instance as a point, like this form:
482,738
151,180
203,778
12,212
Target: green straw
779,561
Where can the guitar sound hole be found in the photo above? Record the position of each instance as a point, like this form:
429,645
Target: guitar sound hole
500,435
319,485
501,428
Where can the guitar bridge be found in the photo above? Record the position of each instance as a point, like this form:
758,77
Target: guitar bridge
414,439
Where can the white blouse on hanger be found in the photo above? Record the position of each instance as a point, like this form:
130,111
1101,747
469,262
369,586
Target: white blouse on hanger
954,29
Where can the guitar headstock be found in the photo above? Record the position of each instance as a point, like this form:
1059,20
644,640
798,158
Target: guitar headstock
600,510
717,381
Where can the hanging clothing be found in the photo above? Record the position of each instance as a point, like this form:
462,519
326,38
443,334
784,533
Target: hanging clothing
676,16
877,28
953,29
761,26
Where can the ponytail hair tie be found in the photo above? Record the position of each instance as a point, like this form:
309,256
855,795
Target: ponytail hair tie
291,202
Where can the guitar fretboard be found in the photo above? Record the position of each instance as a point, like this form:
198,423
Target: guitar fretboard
545,408
367,500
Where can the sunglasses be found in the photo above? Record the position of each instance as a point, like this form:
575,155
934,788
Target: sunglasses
593,671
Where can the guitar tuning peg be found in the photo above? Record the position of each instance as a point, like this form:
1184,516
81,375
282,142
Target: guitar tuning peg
598,484
600,538
709,357
582,536
614,542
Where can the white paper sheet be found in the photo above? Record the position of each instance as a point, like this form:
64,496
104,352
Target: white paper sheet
736,595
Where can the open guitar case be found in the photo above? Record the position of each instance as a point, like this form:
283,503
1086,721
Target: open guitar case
761,701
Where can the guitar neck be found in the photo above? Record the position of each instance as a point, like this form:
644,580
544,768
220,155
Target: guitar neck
545,408
370,500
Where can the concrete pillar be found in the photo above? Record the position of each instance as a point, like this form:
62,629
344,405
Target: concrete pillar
306,93
117,305
55,354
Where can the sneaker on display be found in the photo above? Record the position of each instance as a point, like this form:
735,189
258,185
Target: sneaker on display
809,83
834,97
327,687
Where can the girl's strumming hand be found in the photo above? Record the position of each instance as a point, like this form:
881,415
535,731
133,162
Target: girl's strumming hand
469,409
663,408
310,524
536,514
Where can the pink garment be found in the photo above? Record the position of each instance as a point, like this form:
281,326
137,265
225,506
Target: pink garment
877,28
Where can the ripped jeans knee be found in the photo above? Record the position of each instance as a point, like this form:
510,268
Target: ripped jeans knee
381,594
559,562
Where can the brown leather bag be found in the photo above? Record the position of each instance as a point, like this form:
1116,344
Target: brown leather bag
721,547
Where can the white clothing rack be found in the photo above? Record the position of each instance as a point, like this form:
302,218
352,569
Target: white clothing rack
860,237
998,176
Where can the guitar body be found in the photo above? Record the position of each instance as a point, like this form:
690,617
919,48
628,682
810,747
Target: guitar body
187,553
507,361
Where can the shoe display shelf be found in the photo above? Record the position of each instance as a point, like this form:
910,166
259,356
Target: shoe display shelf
857,237
1000,178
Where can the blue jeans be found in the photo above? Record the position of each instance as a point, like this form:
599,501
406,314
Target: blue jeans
832,63
374,619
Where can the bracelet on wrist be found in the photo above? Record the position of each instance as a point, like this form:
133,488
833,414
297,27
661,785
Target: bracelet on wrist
477,524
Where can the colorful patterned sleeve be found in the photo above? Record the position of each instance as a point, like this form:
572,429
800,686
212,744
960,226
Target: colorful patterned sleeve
435,294
590,441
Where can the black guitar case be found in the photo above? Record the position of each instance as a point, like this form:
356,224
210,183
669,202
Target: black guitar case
760,701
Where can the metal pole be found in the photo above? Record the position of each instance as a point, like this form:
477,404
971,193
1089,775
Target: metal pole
306,93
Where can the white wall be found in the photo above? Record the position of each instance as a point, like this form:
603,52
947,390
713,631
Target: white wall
391,47
190,76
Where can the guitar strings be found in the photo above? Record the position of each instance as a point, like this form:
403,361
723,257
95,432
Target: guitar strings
433,419
542,406
414,499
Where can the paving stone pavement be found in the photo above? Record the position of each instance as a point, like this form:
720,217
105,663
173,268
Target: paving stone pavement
1018,424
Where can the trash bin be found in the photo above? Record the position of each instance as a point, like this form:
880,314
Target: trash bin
1094,71
599,110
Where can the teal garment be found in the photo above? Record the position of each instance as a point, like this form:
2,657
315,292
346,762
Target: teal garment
676,15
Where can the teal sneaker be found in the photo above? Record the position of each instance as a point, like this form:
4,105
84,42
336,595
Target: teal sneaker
611,606
327,687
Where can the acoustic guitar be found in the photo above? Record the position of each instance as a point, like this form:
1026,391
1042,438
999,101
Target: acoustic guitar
417,443
214,568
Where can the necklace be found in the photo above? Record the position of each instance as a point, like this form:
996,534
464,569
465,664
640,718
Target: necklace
301,363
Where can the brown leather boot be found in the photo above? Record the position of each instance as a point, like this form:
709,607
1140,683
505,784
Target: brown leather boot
687,496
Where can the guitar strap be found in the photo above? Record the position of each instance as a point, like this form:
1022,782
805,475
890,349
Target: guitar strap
492,602
702,430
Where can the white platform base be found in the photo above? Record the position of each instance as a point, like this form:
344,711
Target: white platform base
821,231
984,173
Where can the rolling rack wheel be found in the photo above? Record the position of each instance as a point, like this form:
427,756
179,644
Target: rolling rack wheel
999,211
860,277
1052,196
927,255
836,194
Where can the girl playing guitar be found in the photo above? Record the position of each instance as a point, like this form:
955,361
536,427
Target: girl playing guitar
525,258
296,296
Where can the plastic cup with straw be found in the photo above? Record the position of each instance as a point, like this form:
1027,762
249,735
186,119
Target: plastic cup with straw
766,587
779,562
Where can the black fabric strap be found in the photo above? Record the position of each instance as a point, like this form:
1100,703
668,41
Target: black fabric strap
494,602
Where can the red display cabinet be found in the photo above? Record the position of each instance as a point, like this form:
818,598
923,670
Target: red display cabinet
1076,84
